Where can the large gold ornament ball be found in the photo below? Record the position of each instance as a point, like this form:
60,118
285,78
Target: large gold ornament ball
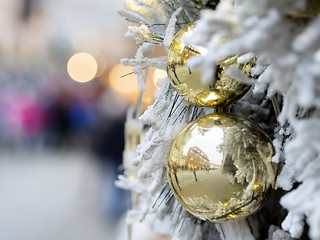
222,91
220,168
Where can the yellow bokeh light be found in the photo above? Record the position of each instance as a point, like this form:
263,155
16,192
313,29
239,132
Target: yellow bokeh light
232,216
82,67
255,186
157,75
101,62
122,81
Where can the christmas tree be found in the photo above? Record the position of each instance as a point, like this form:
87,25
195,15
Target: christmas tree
272,46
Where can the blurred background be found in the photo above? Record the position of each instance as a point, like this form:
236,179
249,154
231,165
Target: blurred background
63,103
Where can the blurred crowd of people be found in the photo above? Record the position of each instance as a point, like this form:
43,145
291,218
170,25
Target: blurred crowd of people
41,112
36,112
41,108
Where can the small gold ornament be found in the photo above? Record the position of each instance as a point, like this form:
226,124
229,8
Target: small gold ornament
220,168
188,83
133,137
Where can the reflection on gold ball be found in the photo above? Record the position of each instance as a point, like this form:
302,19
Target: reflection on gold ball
187,82
220,168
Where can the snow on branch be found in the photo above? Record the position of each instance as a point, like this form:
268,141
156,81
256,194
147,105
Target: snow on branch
287,64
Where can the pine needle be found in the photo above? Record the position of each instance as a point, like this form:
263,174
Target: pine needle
224,236
162,191
176,108
186,215
132,73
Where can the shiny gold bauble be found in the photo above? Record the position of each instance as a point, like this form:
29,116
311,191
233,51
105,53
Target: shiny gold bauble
220,168
188,83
